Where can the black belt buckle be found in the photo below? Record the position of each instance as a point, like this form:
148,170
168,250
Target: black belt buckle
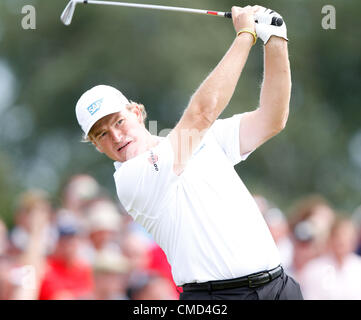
257,279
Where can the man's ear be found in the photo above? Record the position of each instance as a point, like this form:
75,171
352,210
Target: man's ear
136,110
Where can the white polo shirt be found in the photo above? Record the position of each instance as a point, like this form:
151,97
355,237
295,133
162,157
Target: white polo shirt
205,219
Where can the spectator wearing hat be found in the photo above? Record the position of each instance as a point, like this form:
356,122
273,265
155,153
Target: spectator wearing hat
78,191
110,275
104,225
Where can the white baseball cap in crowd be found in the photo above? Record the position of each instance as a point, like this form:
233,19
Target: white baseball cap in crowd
97,103
103,215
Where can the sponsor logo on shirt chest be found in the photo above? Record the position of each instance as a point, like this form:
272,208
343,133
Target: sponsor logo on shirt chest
153,159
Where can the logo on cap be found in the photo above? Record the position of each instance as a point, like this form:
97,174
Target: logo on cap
95,106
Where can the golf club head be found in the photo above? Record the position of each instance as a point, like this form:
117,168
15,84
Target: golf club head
68,12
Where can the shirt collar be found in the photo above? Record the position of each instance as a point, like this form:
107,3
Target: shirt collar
117,165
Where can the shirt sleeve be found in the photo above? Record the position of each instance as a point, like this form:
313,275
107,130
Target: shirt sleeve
226,133
144,182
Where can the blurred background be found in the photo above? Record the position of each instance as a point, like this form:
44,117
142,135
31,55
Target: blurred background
307,180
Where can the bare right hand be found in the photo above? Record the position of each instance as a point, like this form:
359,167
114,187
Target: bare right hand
244,17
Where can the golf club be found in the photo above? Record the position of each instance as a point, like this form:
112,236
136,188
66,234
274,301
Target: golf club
68,12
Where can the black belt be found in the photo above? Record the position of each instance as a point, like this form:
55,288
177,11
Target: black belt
253,280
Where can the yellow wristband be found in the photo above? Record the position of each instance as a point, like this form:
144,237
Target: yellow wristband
248,31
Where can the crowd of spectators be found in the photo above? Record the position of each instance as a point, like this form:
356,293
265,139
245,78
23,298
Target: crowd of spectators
319,247
88,248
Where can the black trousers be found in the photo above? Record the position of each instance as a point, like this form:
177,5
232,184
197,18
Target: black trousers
282,288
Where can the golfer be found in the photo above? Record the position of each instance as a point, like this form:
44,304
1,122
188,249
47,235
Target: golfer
183,188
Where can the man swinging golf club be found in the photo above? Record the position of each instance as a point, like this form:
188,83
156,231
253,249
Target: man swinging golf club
183,188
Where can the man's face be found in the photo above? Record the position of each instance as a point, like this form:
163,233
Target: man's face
119,135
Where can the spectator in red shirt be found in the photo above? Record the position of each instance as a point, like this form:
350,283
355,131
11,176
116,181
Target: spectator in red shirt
66,276
158,263
146,256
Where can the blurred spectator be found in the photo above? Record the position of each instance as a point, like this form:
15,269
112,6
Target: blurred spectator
278,226
146,256
304,247
262,203
110,274
3,238
6,286
78,191
316,210
104,225
66,275
151,286
336,274
356,218
310,224
19,235
21,270
27,276
158,263
5,264
136,248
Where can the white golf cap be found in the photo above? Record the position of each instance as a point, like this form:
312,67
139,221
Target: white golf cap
97,103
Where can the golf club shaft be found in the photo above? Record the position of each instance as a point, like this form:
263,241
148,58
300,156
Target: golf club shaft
68,12
158,7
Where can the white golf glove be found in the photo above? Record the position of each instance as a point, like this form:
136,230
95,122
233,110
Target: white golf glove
264,29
